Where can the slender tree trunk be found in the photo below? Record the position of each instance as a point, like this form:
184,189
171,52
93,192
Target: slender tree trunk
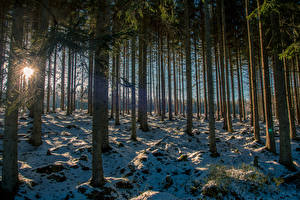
54,81
204,78
253,79
232,83
143,79
49,86
117,108
69,83
175,83
210,85
228,114
187,43
10,142
285,155
270,141
197,78
169,80
133,99
296,92
239,85
63,67
100,113
162,79
242,89
291,112
217,82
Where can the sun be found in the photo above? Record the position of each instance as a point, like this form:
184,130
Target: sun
27,71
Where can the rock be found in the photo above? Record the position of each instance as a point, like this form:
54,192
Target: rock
48,152
83,157
211,189
70,126
124,184
168,181
50,169
157,153
57,178
183,157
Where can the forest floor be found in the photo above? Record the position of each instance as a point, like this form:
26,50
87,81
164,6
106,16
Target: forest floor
165,163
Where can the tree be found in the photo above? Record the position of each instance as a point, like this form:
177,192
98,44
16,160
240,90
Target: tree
210,85
187,43
10,142
100,113
133,98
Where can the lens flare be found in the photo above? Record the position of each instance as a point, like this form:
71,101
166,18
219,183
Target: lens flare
28,72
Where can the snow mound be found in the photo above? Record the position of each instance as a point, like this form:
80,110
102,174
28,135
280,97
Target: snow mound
155,195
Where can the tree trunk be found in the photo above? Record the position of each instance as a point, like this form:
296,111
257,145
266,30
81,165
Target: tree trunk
175,83
54,81
270,141
133,99
48,85
228,114
169,80
285,155
100,114
197,78
232,83
63,67
253,79
239,85
162,79
210,85
291,112
10,140
69,83
187,43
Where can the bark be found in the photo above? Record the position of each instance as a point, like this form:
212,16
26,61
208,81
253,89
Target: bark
62,94
133,99
169,81
143,78
175,83
197,78
69,83
291,112
253,79
285,155
232,83
228,114
10,140
48,85
162,79
187,43
270,141
239,85
42,27
54,81
210,85
100,107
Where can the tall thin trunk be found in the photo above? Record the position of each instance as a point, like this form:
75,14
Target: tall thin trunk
162,79
285,155
175,83
228,114
296,94
204,78
187,43
10,142
117,108
270,141
169,80
197,78
239,85
217,82
48,85
69,83
232,83
291,112
63,67
210,85
253,78
133,99
54,81
100,113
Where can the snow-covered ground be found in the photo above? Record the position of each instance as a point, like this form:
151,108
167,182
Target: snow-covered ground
165,163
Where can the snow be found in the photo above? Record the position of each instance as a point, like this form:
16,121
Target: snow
165,163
